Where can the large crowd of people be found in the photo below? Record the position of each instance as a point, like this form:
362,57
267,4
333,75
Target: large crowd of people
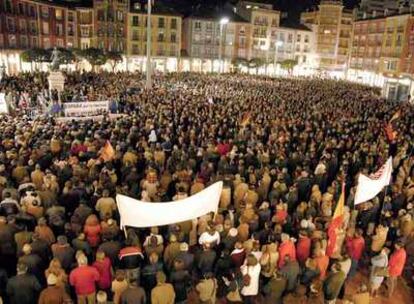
282,147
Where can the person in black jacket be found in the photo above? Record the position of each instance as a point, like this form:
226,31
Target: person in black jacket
206,259
23,288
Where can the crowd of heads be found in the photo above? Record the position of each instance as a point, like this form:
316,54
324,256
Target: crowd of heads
282,147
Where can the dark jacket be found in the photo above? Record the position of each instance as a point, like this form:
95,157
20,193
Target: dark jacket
274,290
187,258
34,263
206,261
65,254
23,289
291,272
333,284
133,295
180,280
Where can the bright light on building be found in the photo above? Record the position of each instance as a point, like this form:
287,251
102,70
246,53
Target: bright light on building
326,31
224,20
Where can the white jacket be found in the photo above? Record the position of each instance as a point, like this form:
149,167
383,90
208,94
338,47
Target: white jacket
254,273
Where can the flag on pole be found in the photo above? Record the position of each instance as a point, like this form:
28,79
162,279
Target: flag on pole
108,152
336,223
369,186
396,116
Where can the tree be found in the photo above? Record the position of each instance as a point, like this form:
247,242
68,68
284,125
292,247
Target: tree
256,63
35,55
239,62
288,64
66,56
94,56
114,58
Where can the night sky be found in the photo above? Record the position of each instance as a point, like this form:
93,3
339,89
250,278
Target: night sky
293,7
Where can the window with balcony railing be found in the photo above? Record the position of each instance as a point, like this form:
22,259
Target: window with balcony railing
174,24
173,38
135,21
135,36
161,22
45,12
32,12
160,37
58,14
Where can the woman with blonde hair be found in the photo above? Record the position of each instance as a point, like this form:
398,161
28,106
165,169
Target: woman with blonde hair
269,260
55,268
119,285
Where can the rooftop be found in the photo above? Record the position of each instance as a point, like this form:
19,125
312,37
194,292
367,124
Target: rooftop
206,12
294,25
158,8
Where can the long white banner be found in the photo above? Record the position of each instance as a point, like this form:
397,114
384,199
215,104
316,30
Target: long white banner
88,108
369,187
135,213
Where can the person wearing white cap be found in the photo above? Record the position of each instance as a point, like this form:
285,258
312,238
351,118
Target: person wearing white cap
53,294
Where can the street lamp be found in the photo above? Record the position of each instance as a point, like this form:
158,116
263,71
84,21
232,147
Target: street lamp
148,84
2,70
223,22
278,44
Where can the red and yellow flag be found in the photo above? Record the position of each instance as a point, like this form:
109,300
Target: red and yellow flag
336,223
108,152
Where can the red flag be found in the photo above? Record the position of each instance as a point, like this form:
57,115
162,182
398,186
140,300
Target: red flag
108,152
336,223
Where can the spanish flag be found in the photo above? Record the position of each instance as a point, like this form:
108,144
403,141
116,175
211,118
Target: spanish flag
336,223
246,119
108,152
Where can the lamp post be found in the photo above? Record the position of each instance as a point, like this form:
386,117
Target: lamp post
2,70
148,84
278,44
223,22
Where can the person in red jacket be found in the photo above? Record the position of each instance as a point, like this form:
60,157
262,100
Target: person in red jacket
303,247
103,265
83,278
355,248
286,248
92,230
395,266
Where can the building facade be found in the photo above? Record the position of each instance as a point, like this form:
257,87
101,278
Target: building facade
295,43
110,24
206,39
166,32
333,30
29,24
264,22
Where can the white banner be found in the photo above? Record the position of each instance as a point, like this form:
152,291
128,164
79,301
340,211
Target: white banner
3,104
140,214
94,118
369,187
88,108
